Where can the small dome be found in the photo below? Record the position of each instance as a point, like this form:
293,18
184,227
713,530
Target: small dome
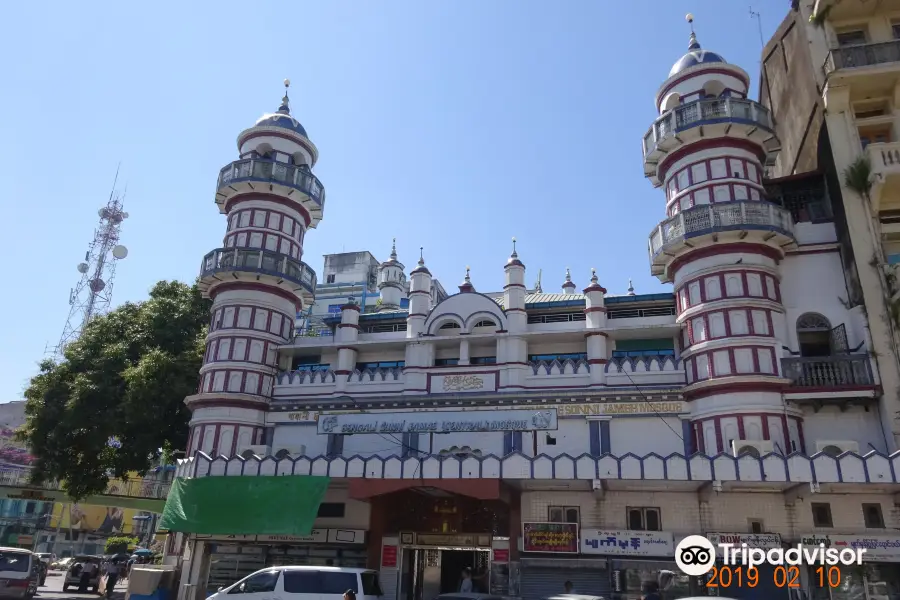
281,120
695,56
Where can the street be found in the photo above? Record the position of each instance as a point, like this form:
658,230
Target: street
53,589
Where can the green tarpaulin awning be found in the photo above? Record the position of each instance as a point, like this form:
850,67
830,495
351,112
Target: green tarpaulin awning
266,505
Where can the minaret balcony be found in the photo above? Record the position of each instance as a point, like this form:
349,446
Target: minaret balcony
702,119
261,175
746,221
227,265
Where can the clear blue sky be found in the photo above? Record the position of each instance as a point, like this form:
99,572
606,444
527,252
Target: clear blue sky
453,125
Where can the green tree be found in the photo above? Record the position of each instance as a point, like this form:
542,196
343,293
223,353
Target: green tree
118,545
123,380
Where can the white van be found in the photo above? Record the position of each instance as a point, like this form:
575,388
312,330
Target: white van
304,583
19,573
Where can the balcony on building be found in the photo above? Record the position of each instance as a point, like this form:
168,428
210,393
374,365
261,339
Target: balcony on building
746,221
806,197
295,182
257,265
826,369
716,117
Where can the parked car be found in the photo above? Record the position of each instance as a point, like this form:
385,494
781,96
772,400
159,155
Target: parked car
19,573
62,564
73,574
305,583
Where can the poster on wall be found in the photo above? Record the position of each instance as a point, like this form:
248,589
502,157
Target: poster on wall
89,517
559,538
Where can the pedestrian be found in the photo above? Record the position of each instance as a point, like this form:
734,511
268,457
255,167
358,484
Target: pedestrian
112,576
349,595
466,586
567,586
87,573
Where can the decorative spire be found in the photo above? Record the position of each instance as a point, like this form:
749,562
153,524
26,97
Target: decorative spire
466,285
394,249
595,284
568,276
421,256
694,44
514,255
421,268
537,284
513,260
568,286
285,107
594,278
630,288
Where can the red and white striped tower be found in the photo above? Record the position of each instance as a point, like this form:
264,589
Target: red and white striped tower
721,245
256,280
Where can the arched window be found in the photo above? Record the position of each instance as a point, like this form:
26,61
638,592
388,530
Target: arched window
814,335
450,325
485,323
713,89
671,101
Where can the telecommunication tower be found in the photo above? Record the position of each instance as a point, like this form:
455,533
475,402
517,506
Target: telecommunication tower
92,294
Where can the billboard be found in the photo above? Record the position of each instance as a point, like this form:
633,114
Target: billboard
550,537
89,517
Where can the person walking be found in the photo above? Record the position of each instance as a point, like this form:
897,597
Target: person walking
567,586
112,576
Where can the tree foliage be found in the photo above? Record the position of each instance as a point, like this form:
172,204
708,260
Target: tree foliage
124,379
119,545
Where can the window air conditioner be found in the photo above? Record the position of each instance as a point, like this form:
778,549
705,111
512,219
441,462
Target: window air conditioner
836,448
754,448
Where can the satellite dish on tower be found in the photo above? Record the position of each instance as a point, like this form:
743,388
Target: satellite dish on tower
120,252
82,267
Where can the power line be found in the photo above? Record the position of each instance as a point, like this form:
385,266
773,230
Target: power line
650,404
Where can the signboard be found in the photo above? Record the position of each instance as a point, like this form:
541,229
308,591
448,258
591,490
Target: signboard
316,536
764,541
389,556
334,309
455,384
346,536
563,410
452,539
879,548
438,422
627,543
559,538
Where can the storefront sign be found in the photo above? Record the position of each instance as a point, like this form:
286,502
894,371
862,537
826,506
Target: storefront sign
438,422
561,538
455,384
316,536
879,548
565,409
501,555
453,540
618,409
627,543
389,557
763,541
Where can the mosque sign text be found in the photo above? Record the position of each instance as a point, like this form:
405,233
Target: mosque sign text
463,383
544,419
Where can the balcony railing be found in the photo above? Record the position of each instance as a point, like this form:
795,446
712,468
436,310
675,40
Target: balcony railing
699,112
829,371
260,261
270,171
865,55
720,217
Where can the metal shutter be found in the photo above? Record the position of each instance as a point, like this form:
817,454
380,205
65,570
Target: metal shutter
539,582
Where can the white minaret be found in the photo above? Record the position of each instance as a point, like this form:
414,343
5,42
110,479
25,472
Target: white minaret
256,280
720,246
514,347
391,281
568,285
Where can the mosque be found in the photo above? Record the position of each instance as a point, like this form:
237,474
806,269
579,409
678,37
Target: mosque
542,437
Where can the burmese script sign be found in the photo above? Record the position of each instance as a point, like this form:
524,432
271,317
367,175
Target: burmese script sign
618,408
561,538
438,422
450,384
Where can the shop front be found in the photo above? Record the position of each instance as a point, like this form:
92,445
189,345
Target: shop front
770,585
878,578
428,532
551,557
636,559
231,558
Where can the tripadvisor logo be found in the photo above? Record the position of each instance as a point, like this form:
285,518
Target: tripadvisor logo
695,555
